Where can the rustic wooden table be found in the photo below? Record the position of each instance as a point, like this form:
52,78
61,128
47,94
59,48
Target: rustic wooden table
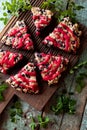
65,121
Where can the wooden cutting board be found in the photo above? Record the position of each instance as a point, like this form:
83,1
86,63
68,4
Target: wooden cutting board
40,100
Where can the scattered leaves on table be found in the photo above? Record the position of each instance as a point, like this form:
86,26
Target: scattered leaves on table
64,104
78,66
12,8
61,9
16,111
40,122
81,73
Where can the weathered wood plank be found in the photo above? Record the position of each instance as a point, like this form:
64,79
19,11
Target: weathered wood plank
38,101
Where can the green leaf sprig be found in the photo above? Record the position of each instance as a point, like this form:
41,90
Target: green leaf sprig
80,78
64,104
80,83
81,74
78,66
33,124
61,9
42,122
16,111
71,9
12,8
53,5
3,87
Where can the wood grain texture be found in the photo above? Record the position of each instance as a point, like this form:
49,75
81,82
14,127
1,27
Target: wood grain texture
8,94
40,100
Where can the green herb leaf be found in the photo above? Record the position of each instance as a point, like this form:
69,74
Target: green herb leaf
5,14
4,19
72,104
79,84
78,66
16,111
80,76
1,97
32,125
43,121
40,118
3,87
61,9
14,7
48,4
64,104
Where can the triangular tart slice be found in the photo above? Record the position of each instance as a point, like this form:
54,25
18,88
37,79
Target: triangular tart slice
65,36
50,66
25,80
41,18
8,60
18,38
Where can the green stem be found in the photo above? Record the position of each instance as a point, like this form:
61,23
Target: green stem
67,6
